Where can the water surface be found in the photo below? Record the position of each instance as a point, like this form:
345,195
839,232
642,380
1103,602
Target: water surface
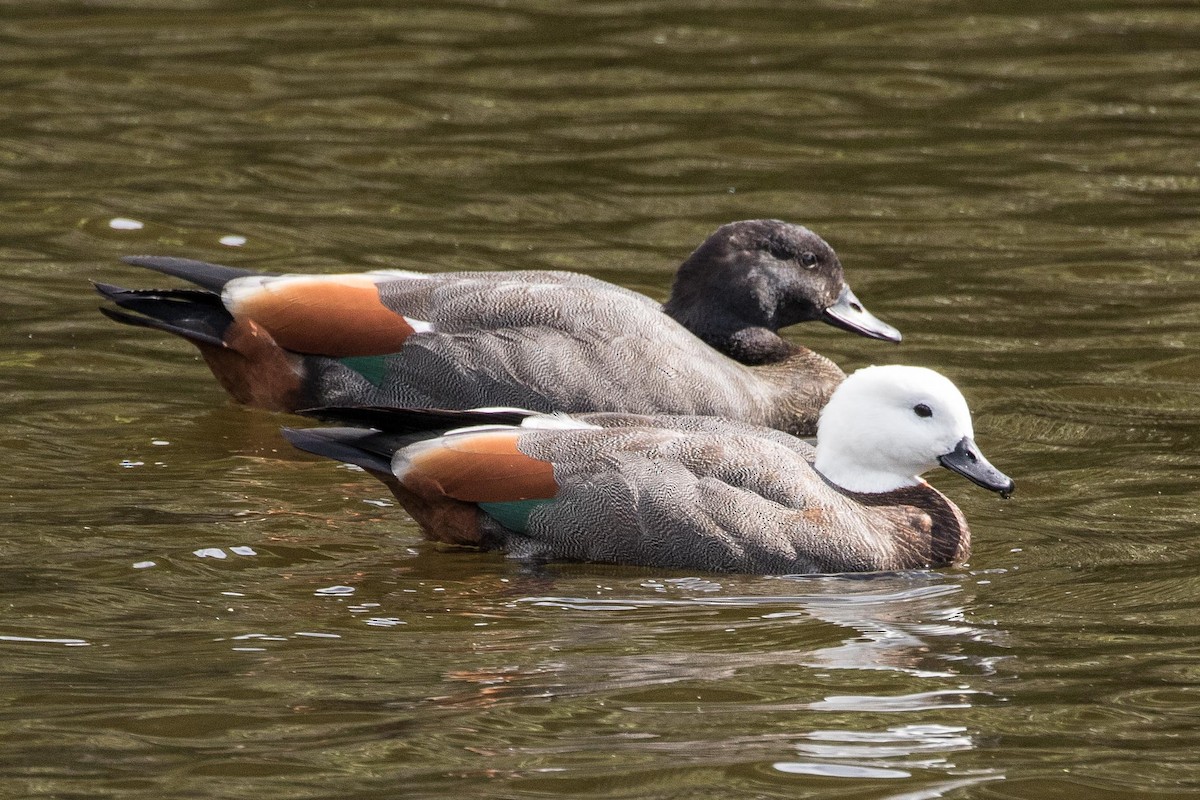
191,609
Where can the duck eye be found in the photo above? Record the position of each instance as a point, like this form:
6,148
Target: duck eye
808,259
922,410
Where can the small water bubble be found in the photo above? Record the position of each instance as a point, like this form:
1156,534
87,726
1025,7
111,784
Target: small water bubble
129,464
125,224
232,240
144,564
243,550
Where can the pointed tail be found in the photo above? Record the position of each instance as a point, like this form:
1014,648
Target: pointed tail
193,314
368,449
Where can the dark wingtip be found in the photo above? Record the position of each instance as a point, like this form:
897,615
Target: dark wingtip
298,437
414,420
209,276
349,445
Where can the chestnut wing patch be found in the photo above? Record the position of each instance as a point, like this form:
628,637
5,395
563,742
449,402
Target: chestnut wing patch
335,315
481,467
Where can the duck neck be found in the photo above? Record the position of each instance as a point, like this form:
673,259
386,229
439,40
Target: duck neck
935,532
800,384
751,346
746,333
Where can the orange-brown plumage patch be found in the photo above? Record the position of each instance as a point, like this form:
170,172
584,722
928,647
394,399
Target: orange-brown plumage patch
337,316
484,467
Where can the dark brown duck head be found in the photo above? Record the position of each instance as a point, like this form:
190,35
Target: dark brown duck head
751,278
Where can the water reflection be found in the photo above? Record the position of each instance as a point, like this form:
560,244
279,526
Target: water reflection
701,670
716,670
890,621
896,752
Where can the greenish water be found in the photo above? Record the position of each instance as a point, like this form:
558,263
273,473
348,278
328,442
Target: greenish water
188,608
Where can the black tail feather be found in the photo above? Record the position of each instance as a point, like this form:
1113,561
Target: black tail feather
406,421
195,315
125,297
368,449
209,276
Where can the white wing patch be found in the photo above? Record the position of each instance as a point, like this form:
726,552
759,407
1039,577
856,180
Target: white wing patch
381,275
419,325
557,422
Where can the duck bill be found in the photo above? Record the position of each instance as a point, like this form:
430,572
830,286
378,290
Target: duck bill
849,314
966,460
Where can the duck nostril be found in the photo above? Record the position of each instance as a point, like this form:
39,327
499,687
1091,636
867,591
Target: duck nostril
856,307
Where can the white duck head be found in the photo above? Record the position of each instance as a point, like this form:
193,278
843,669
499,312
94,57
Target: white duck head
885,426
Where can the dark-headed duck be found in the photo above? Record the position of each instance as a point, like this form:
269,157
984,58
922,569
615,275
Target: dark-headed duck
544,341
